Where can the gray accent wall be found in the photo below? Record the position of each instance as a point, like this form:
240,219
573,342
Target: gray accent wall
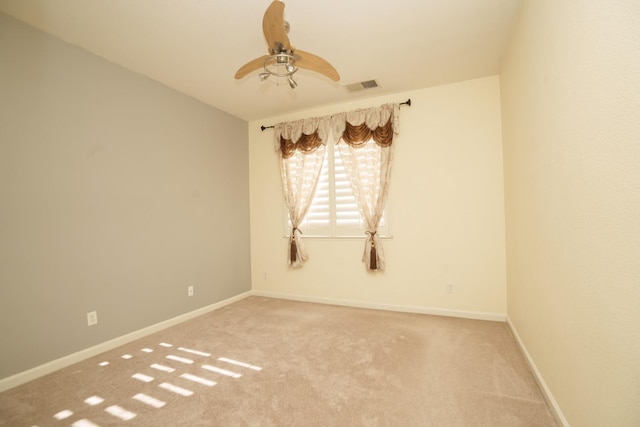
116,194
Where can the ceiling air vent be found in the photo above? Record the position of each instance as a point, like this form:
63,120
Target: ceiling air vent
369,84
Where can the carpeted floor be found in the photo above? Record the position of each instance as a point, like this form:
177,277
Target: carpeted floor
271,362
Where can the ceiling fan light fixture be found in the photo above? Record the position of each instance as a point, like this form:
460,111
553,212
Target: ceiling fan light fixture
264,75
281,64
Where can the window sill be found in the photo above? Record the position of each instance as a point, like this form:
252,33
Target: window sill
311,237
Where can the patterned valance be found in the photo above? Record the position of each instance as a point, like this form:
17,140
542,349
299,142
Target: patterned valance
306,144
304,135
358,126
358,135
354,127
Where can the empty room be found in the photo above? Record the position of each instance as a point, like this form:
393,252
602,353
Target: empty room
336,213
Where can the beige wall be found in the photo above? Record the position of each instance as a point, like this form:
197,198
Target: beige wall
571,126
447,210
116,193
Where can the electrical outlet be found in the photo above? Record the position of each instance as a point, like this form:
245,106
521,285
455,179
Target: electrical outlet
92,318
190,291
265,275
450,288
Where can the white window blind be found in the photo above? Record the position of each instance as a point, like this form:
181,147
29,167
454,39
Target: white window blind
334,211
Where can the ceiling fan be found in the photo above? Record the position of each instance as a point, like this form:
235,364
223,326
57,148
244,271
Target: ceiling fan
283,59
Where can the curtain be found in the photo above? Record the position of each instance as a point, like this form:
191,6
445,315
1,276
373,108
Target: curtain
369,167
302,147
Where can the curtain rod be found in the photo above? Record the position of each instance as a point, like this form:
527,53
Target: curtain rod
407,102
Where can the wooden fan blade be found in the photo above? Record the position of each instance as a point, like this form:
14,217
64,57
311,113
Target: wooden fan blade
315,63
273,27
250,66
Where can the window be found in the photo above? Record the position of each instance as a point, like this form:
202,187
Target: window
334,211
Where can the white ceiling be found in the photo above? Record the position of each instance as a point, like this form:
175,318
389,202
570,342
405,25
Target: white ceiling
196,46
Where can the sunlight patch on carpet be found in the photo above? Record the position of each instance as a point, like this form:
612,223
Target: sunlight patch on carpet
62,415
221,371
175,389
93,400
149,400
180,359
235,362
198,380
180,363
197,352
142,377
121,413
84,423
162,368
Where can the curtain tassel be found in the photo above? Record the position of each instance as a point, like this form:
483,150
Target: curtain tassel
373,255
293,251
374,258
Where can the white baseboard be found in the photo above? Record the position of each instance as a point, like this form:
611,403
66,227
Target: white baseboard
546,392
496,317
63,362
